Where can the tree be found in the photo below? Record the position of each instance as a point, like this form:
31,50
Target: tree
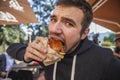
10,34
42,9
110,38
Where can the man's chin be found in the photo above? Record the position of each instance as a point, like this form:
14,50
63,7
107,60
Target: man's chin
70,50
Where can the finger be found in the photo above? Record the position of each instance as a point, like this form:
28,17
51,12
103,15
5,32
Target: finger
30,57
37,53
32,54
38,47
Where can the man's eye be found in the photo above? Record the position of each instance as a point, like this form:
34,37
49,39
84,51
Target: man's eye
53,20
68,24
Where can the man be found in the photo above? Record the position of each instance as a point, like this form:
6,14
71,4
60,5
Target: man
6,62
2,66
83,60
117,48
95,38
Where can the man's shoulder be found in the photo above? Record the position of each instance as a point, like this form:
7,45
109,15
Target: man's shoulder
100,52
102,49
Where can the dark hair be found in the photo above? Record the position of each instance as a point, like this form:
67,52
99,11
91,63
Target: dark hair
84,6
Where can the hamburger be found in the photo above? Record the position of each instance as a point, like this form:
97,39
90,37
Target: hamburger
55,50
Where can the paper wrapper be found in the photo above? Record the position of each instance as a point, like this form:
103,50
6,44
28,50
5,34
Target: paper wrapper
52,55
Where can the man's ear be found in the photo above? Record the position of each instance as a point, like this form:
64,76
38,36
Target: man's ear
85,33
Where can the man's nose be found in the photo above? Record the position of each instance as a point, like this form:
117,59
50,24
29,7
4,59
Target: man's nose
57,28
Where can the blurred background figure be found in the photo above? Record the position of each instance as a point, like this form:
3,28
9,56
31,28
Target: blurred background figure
95,38
117,48
6,62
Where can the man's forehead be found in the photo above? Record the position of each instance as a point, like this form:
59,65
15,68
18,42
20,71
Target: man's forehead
67,11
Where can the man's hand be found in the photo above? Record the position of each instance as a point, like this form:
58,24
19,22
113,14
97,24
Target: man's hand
35,51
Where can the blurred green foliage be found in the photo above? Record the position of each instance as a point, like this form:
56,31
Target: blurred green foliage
107,43
10,34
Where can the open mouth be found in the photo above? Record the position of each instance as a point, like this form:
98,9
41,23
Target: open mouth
56,44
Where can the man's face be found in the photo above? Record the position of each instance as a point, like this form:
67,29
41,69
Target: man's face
65,25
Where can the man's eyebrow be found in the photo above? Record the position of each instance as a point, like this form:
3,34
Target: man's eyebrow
65,18
52,16
70,20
